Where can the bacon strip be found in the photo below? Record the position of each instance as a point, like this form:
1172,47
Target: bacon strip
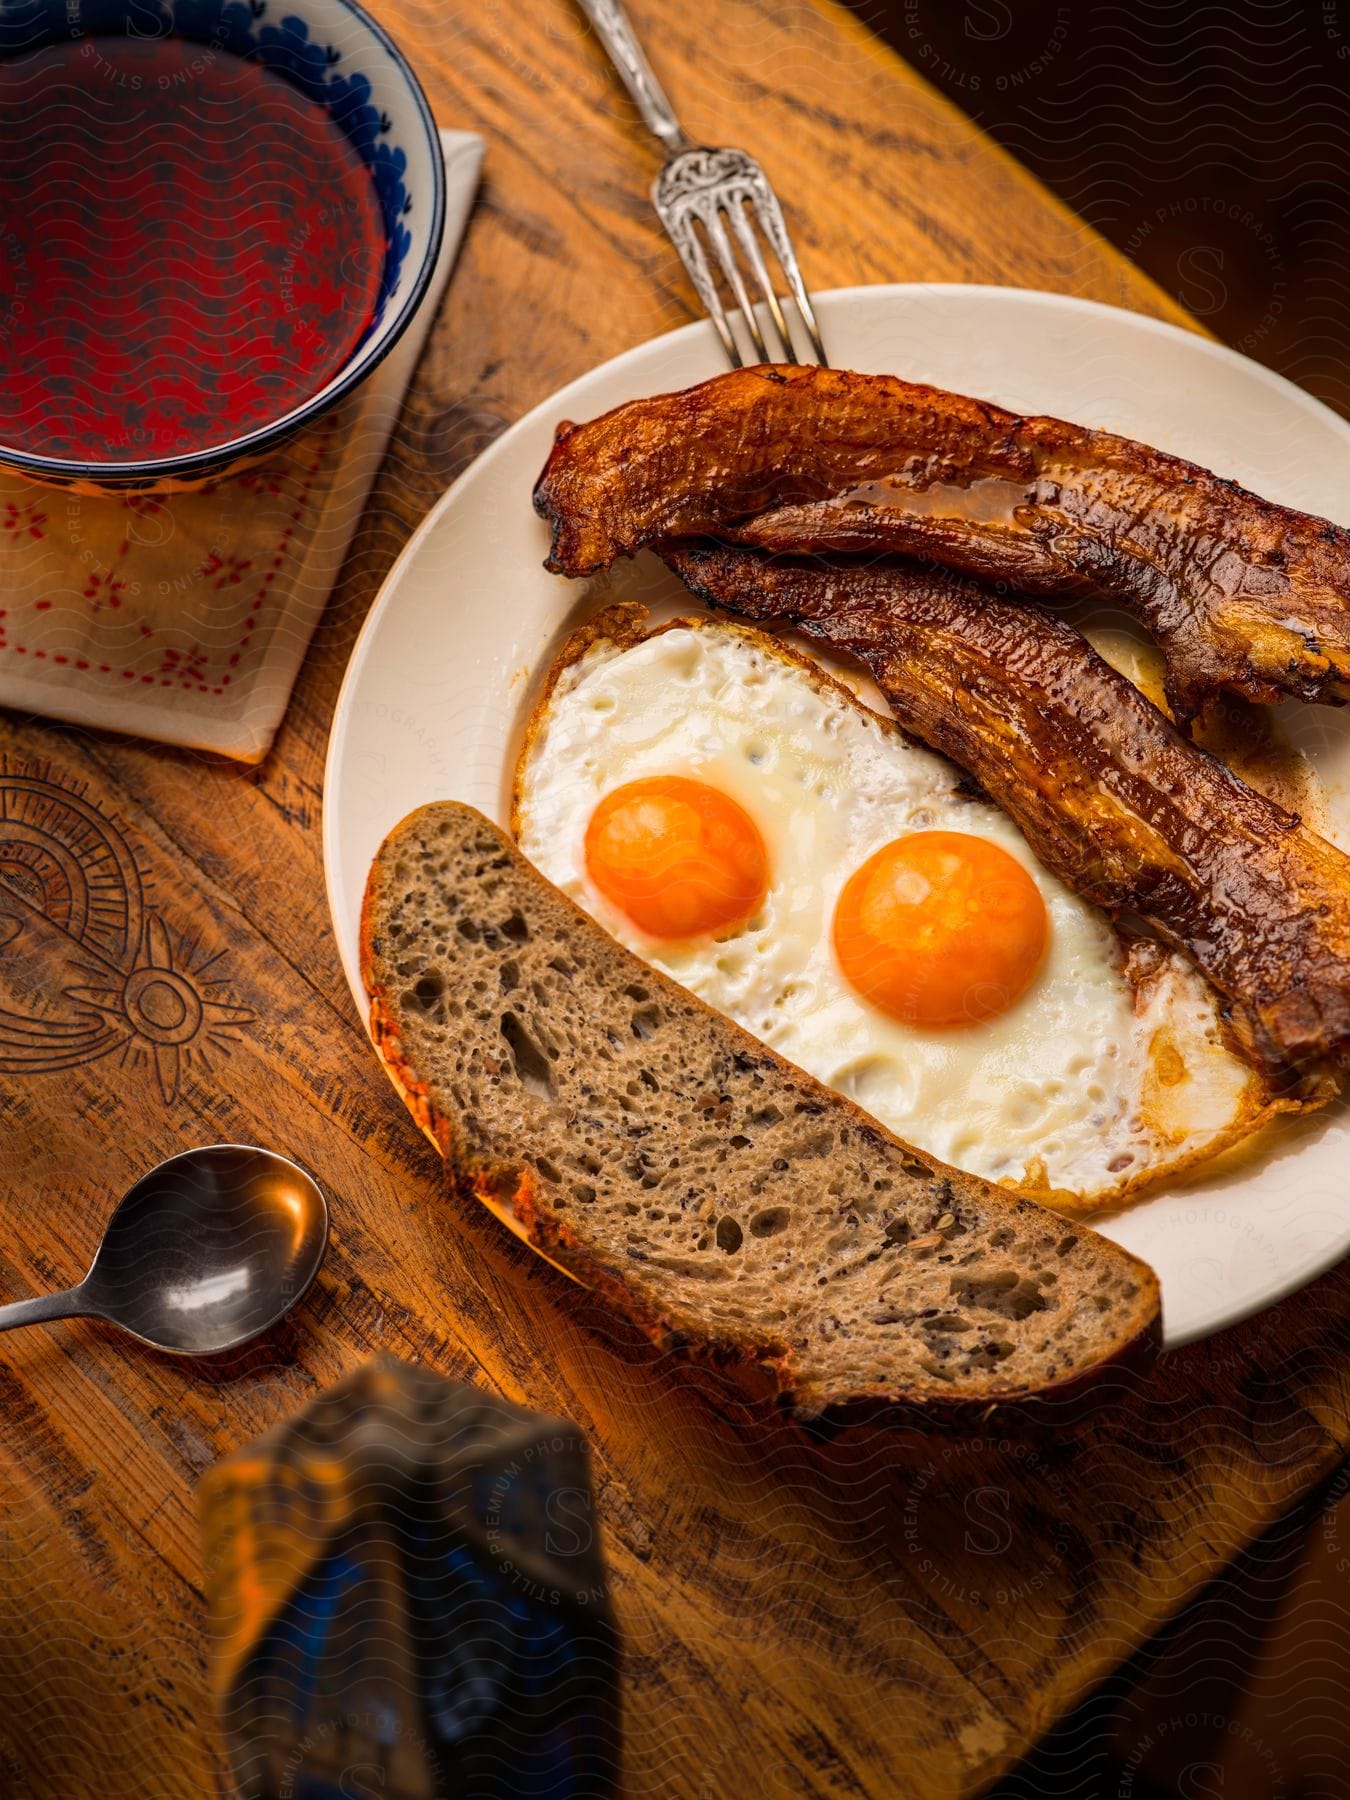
1113,799
1239,593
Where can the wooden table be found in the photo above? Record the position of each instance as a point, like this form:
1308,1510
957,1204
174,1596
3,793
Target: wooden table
890,1616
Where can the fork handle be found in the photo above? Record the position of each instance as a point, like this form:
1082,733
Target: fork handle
615,30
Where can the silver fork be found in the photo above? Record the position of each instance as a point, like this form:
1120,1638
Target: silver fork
723,192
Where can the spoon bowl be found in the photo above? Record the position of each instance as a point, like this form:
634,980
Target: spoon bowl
206,1251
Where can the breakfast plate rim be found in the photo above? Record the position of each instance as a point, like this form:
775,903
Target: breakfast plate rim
1293,1275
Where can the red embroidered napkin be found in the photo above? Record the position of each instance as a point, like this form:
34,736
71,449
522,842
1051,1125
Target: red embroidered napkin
185,617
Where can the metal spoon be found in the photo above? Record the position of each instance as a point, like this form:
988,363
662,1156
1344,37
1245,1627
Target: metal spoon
203,1253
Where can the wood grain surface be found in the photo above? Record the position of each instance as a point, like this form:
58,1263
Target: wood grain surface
882,1615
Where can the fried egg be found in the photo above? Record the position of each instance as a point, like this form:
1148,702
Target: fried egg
739,819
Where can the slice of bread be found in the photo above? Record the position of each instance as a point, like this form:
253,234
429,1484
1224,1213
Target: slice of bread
716,1194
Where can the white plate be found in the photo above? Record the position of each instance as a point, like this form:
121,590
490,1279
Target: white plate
442,675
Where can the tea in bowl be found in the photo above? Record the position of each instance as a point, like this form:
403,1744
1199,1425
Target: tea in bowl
219,221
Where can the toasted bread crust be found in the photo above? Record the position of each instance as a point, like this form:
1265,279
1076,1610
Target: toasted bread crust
506,1177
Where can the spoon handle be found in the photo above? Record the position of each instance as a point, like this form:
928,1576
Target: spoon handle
69,1304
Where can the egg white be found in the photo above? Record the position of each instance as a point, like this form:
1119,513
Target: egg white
1096,1081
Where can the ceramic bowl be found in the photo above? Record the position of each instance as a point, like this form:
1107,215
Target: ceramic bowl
336,54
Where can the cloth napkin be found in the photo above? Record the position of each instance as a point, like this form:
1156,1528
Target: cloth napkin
185,617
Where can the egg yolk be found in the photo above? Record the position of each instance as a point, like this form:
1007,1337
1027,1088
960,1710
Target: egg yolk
940,929
678,857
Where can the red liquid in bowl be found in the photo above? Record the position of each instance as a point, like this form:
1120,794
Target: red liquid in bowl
192,248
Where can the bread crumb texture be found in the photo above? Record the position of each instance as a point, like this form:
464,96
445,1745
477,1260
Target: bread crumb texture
716,1193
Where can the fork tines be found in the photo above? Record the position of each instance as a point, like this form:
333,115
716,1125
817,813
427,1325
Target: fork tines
708,198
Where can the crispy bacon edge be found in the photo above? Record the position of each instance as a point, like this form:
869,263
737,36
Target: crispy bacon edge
1240,593
1113,799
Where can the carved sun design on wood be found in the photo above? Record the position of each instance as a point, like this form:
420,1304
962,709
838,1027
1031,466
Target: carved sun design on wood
168,1014
87,970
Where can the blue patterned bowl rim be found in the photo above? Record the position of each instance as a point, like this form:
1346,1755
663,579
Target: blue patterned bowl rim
361,364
